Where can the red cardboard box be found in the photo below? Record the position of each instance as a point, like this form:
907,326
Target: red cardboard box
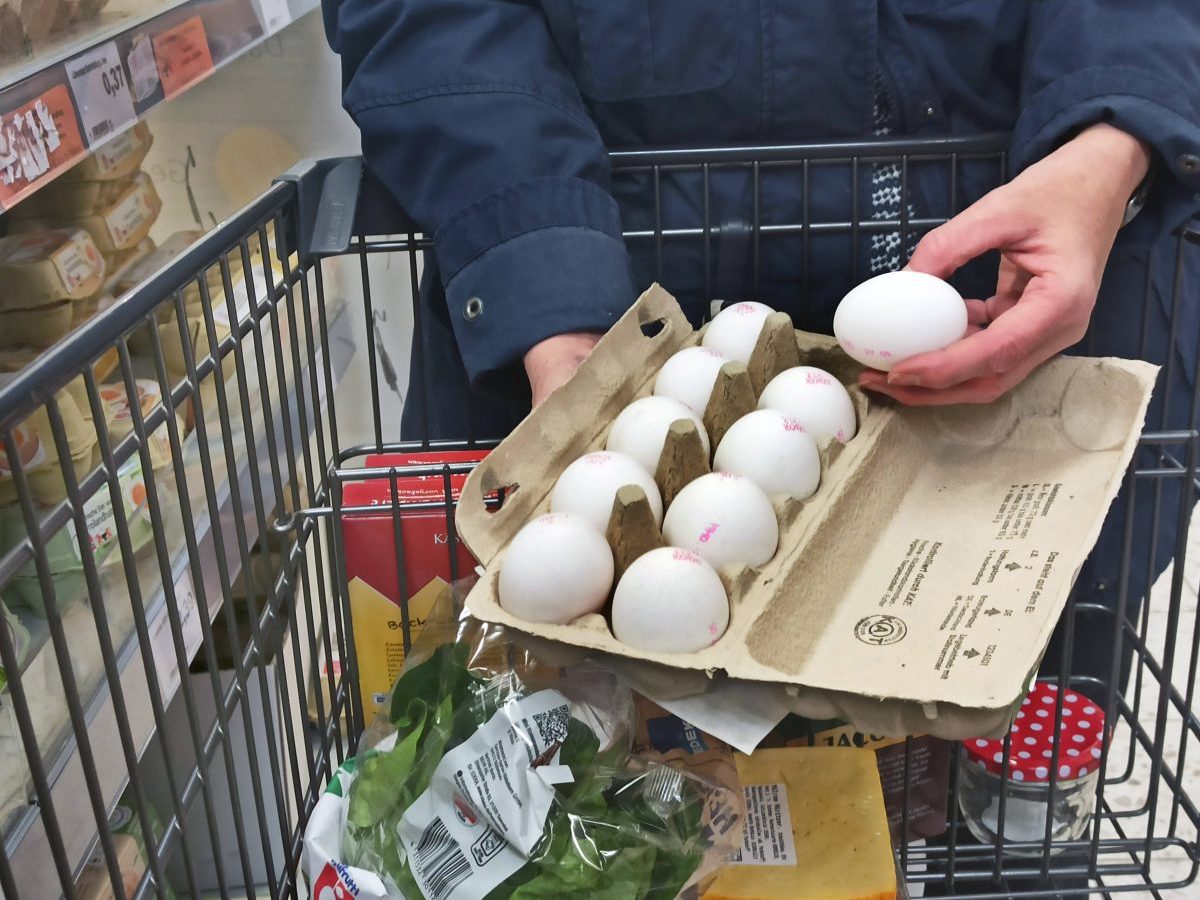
373,577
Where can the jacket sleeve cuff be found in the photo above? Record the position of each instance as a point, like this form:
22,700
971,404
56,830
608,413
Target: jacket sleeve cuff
533,286
1126,97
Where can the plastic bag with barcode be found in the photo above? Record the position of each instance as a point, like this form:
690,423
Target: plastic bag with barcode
485,808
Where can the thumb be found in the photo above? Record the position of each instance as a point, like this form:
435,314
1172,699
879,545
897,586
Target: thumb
986,225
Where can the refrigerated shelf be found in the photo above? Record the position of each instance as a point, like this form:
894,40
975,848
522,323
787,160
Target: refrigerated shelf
26,840
74,93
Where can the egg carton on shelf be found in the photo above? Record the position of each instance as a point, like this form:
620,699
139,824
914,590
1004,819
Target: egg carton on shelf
873,608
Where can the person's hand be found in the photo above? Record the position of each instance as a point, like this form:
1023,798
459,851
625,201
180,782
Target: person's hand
1054,226
552,362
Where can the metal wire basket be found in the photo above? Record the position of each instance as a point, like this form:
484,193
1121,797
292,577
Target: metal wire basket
178,655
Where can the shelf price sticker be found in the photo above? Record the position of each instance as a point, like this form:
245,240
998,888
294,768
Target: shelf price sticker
183,56
101,91
37,141
166,660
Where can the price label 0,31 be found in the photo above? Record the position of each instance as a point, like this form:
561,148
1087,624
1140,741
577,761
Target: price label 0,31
101,91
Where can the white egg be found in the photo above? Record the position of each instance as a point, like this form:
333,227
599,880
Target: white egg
689,376
589,485
641,429
818,400
725,518
670,601
734,330
772,450
893,316
557,568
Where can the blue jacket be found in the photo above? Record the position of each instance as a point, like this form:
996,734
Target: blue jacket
490,121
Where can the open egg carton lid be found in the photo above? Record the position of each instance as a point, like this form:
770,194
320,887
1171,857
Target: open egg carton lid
916,591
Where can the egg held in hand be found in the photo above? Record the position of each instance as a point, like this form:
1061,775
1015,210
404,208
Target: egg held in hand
816,399
689,377
725,518
893,316
640,431
734,330
669,601
589,486
557,568
772,450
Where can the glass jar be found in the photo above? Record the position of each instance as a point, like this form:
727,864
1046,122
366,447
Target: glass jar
1031,753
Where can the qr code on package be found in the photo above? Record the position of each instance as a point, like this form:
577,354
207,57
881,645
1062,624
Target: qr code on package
552,725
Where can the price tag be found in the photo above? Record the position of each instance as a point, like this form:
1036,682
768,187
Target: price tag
182,55
37,141
166,661
273,14
101,92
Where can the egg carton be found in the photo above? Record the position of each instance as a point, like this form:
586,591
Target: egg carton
915,591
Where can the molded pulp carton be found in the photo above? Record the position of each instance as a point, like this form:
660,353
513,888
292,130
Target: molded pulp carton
915,592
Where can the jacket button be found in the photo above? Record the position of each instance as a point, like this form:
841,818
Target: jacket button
1189,163
473,310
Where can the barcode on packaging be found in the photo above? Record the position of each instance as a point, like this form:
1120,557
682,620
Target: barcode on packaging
439,864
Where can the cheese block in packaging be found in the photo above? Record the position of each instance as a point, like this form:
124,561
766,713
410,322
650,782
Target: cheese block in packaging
62,548
44,267
119,418
916,591
24,21
124,262
39,326
71,199
72,11
38,452
118,158
815,828
120,224
214,278
133,275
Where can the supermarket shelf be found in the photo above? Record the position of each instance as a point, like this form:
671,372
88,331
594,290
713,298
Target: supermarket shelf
26,843
88,85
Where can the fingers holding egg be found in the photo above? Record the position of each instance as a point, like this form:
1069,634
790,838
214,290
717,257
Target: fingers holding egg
897,315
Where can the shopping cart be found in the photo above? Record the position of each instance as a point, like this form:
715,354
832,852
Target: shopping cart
178,657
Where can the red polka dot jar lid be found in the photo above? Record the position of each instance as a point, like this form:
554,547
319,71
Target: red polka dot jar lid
1031,752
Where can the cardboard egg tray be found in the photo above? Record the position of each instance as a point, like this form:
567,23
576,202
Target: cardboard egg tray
916,591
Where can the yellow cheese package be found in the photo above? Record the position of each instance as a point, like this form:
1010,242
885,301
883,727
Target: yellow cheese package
120,225
114,160
816,826
71,199
214,278
37,450
48,266
119,418
103,516
124,262
132,275
39,326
